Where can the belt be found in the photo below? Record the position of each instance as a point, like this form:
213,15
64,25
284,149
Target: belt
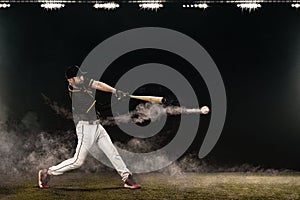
92,122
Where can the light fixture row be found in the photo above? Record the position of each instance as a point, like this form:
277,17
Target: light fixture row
149,5
107,6
200,5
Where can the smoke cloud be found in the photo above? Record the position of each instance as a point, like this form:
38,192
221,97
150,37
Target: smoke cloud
142,112
59,110
24,148
190,162
148,111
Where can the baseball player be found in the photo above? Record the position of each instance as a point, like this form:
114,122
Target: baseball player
88,129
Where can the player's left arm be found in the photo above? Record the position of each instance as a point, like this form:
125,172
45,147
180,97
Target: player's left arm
102,86
98,85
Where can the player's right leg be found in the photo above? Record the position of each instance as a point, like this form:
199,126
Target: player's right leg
106,145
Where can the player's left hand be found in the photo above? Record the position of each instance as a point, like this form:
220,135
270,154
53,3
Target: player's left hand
121,95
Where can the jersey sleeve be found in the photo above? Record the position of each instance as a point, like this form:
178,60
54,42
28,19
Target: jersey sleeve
88,82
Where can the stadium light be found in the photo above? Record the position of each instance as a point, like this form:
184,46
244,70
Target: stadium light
4,5
201,5
151,6
107,6
51,6
296,5
249,6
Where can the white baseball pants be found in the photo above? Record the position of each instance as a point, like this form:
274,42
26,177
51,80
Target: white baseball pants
88,135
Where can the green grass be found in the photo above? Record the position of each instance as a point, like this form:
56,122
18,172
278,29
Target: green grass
79,185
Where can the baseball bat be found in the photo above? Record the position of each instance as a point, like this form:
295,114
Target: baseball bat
148,98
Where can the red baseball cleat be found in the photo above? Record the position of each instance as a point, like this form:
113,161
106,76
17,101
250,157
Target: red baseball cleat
43,178
131,184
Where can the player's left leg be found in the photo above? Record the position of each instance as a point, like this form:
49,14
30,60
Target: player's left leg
85,136
105,144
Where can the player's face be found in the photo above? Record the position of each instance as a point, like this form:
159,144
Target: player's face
76,80
71,81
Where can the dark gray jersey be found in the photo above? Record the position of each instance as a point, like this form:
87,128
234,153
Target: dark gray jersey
83,104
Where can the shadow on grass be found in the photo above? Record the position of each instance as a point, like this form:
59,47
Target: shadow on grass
6,191
86,189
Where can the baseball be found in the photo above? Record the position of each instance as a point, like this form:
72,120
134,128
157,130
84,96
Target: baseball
204,110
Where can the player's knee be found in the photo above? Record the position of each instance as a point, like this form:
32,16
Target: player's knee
117,157
78,163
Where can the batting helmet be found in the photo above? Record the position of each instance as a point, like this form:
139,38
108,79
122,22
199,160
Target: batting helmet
74,71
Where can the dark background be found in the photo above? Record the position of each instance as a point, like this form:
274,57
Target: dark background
257,53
